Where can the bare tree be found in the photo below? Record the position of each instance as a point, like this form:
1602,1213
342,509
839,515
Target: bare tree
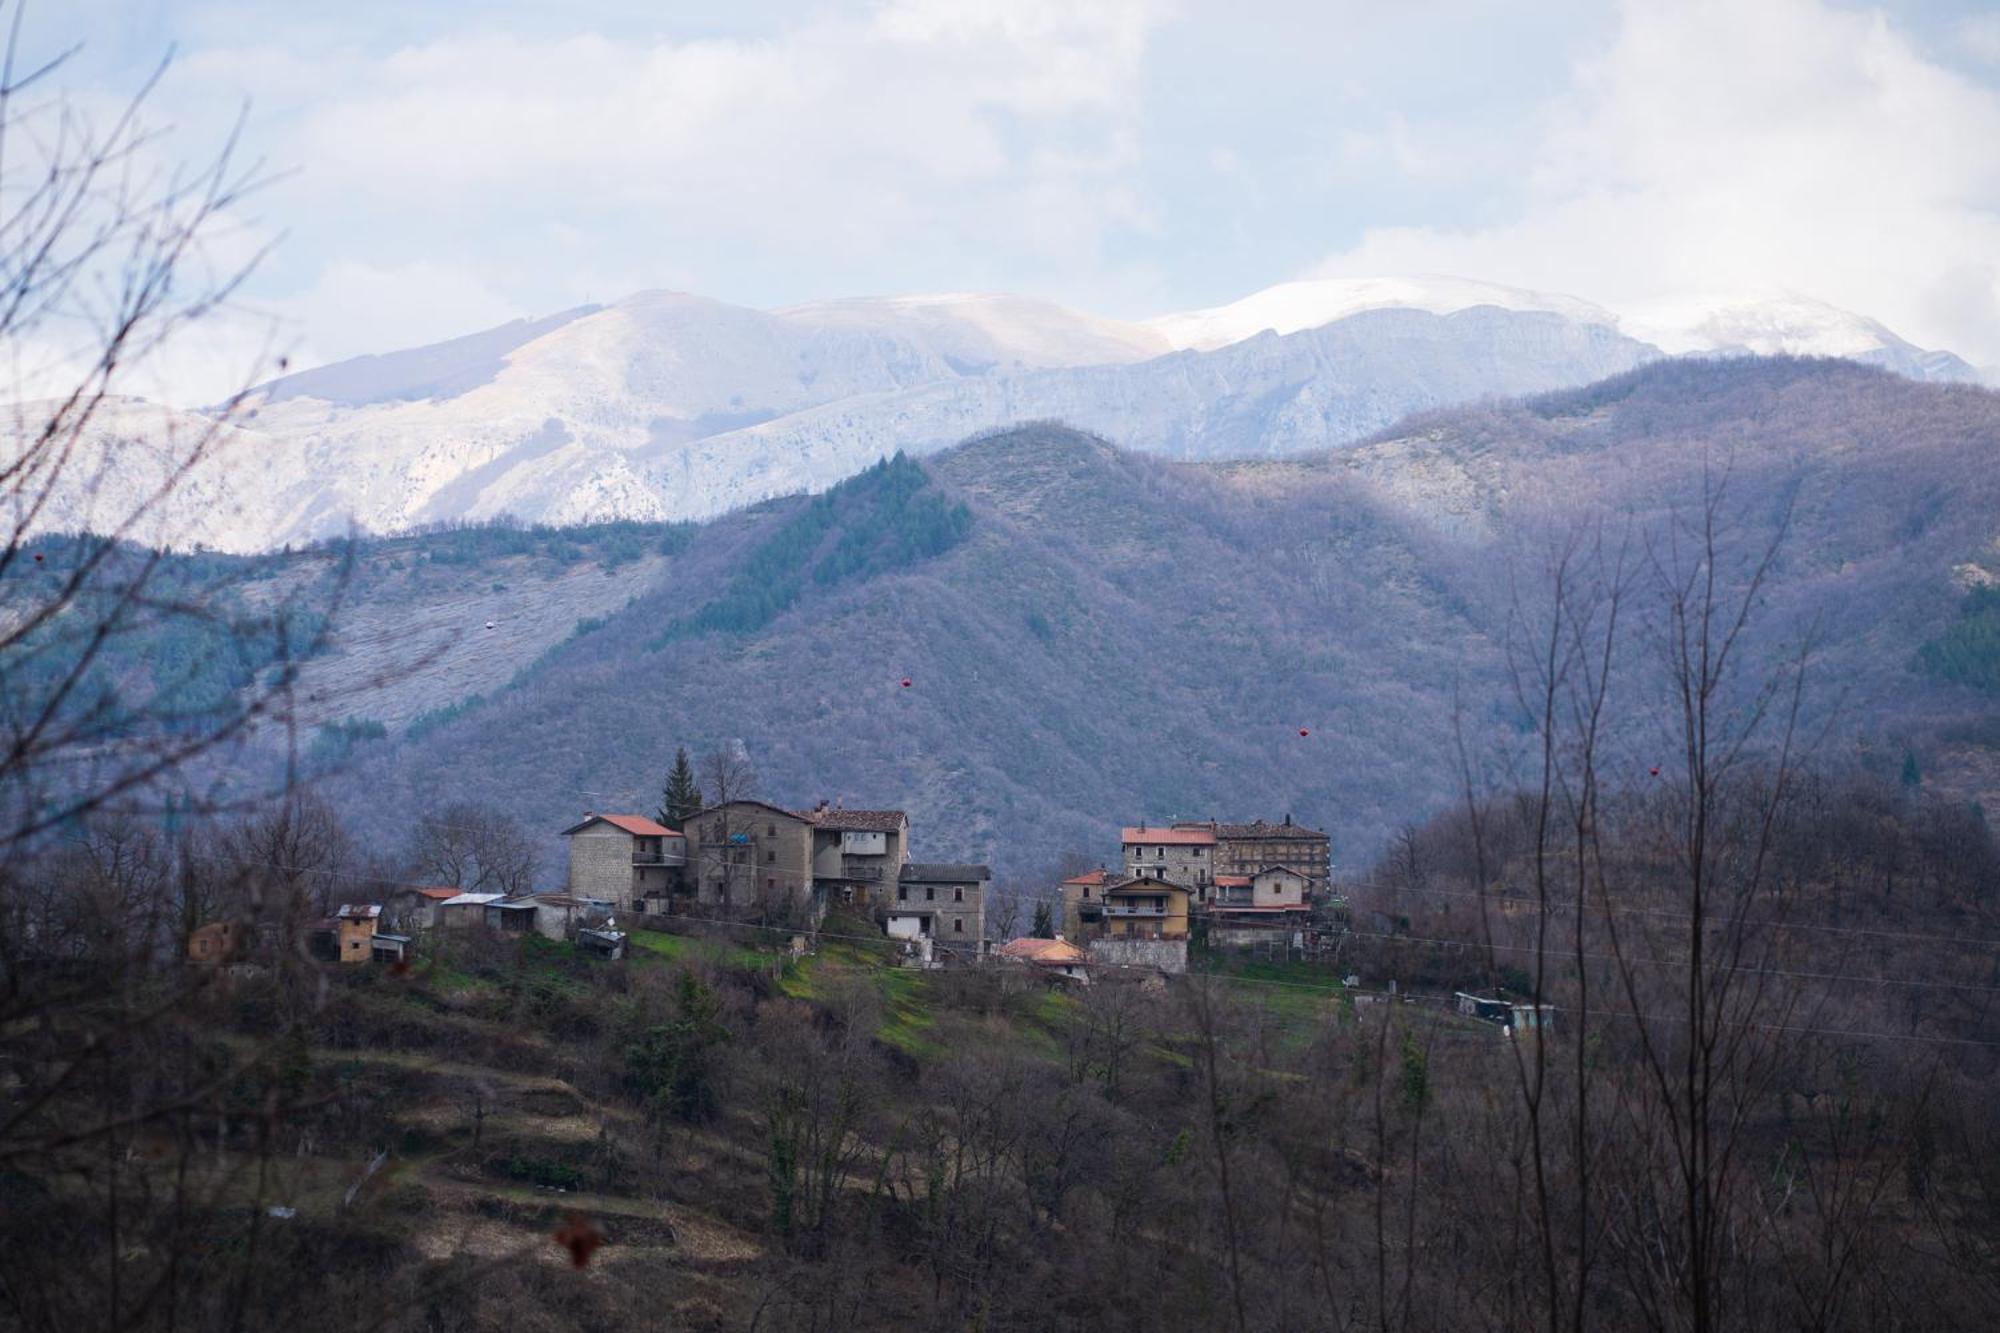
475,848
727,775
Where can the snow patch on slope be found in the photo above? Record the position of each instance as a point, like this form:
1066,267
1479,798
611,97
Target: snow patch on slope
1312,303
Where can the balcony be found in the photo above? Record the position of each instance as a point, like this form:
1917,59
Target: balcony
1116,908
857,870
673,858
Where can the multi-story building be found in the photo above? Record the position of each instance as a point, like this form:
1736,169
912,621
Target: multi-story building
1181,854
751,855
942,901
1146,907
858,855
1245,849
1083,903
625,859
1248,908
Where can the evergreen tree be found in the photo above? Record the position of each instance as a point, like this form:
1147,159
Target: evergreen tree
1045,923
681,800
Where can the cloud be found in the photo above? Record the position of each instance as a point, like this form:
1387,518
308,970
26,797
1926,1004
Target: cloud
919,127
1748,147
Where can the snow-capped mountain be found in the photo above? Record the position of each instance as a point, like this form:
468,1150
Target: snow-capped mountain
1792,325
1314,302
666,405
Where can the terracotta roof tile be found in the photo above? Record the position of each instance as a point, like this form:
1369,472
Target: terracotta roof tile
1169,837
1049,953
637,825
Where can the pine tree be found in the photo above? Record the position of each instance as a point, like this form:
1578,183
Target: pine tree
1045,924
681,800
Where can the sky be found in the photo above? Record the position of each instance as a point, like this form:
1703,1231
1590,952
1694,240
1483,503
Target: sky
442,167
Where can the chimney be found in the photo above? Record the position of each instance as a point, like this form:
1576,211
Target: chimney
1288,819
589,815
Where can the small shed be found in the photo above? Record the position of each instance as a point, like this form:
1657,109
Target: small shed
512,916
394,948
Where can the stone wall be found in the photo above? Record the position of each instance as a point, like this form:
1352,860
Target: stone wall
600,864
1162,955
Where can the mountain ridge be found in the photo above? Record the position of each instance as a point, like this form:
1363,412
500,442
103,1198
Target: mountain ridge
669,405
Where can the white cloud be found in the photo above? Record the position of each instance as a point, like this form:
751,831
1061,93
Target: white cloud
357,307
1752,146
943,125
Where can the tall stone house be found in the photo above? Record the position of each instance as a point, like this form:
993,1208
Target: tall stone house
755,854
750,854
944,902
858,855
628,860
1245,849
1180,854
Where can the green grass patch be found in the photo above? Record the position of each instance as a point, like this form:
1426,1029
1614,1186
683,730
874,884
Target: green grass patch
661,946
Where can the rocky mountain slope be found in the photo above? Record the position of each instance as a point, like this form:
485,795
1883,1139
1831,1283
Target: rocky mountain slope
1107,636
668,406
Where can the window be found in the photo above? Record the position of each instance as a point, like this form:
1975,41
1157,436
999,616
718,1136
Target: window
1086,891
1159,852
958,926
770,830
930,894
958,895
770,858
902,893
770,883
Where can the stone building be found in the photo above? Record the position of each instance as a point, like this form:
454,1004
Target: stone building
1252,909
858,855
751,855
355,925
1183,854
629,860
1083,903
944,901
1245,849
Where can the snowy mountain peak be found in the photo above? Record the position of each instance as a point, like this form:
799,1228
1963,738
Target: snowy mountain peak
1310,303
990,328
1772,326
1783,325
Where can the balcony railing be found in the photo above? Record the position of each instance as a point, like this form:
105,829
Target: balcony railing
659,858
1134,909
854,870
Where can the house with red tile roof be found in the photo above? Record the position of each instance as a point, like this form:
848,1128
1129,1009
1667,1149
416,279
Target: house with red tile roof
1178,854
630,860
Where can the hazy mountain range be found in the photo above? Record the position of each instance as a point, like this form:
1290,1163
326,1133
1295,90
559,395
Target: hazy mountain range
1101,635
670,406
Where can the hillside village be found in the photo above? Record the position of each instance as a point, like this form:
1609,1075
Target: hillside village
1258,885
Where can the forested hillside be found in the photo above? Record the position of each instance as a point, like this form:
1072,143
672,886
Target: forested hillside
1093,636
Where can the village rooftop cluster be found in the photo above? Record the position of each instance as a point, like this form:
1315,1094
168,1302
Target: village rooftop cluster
758,863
